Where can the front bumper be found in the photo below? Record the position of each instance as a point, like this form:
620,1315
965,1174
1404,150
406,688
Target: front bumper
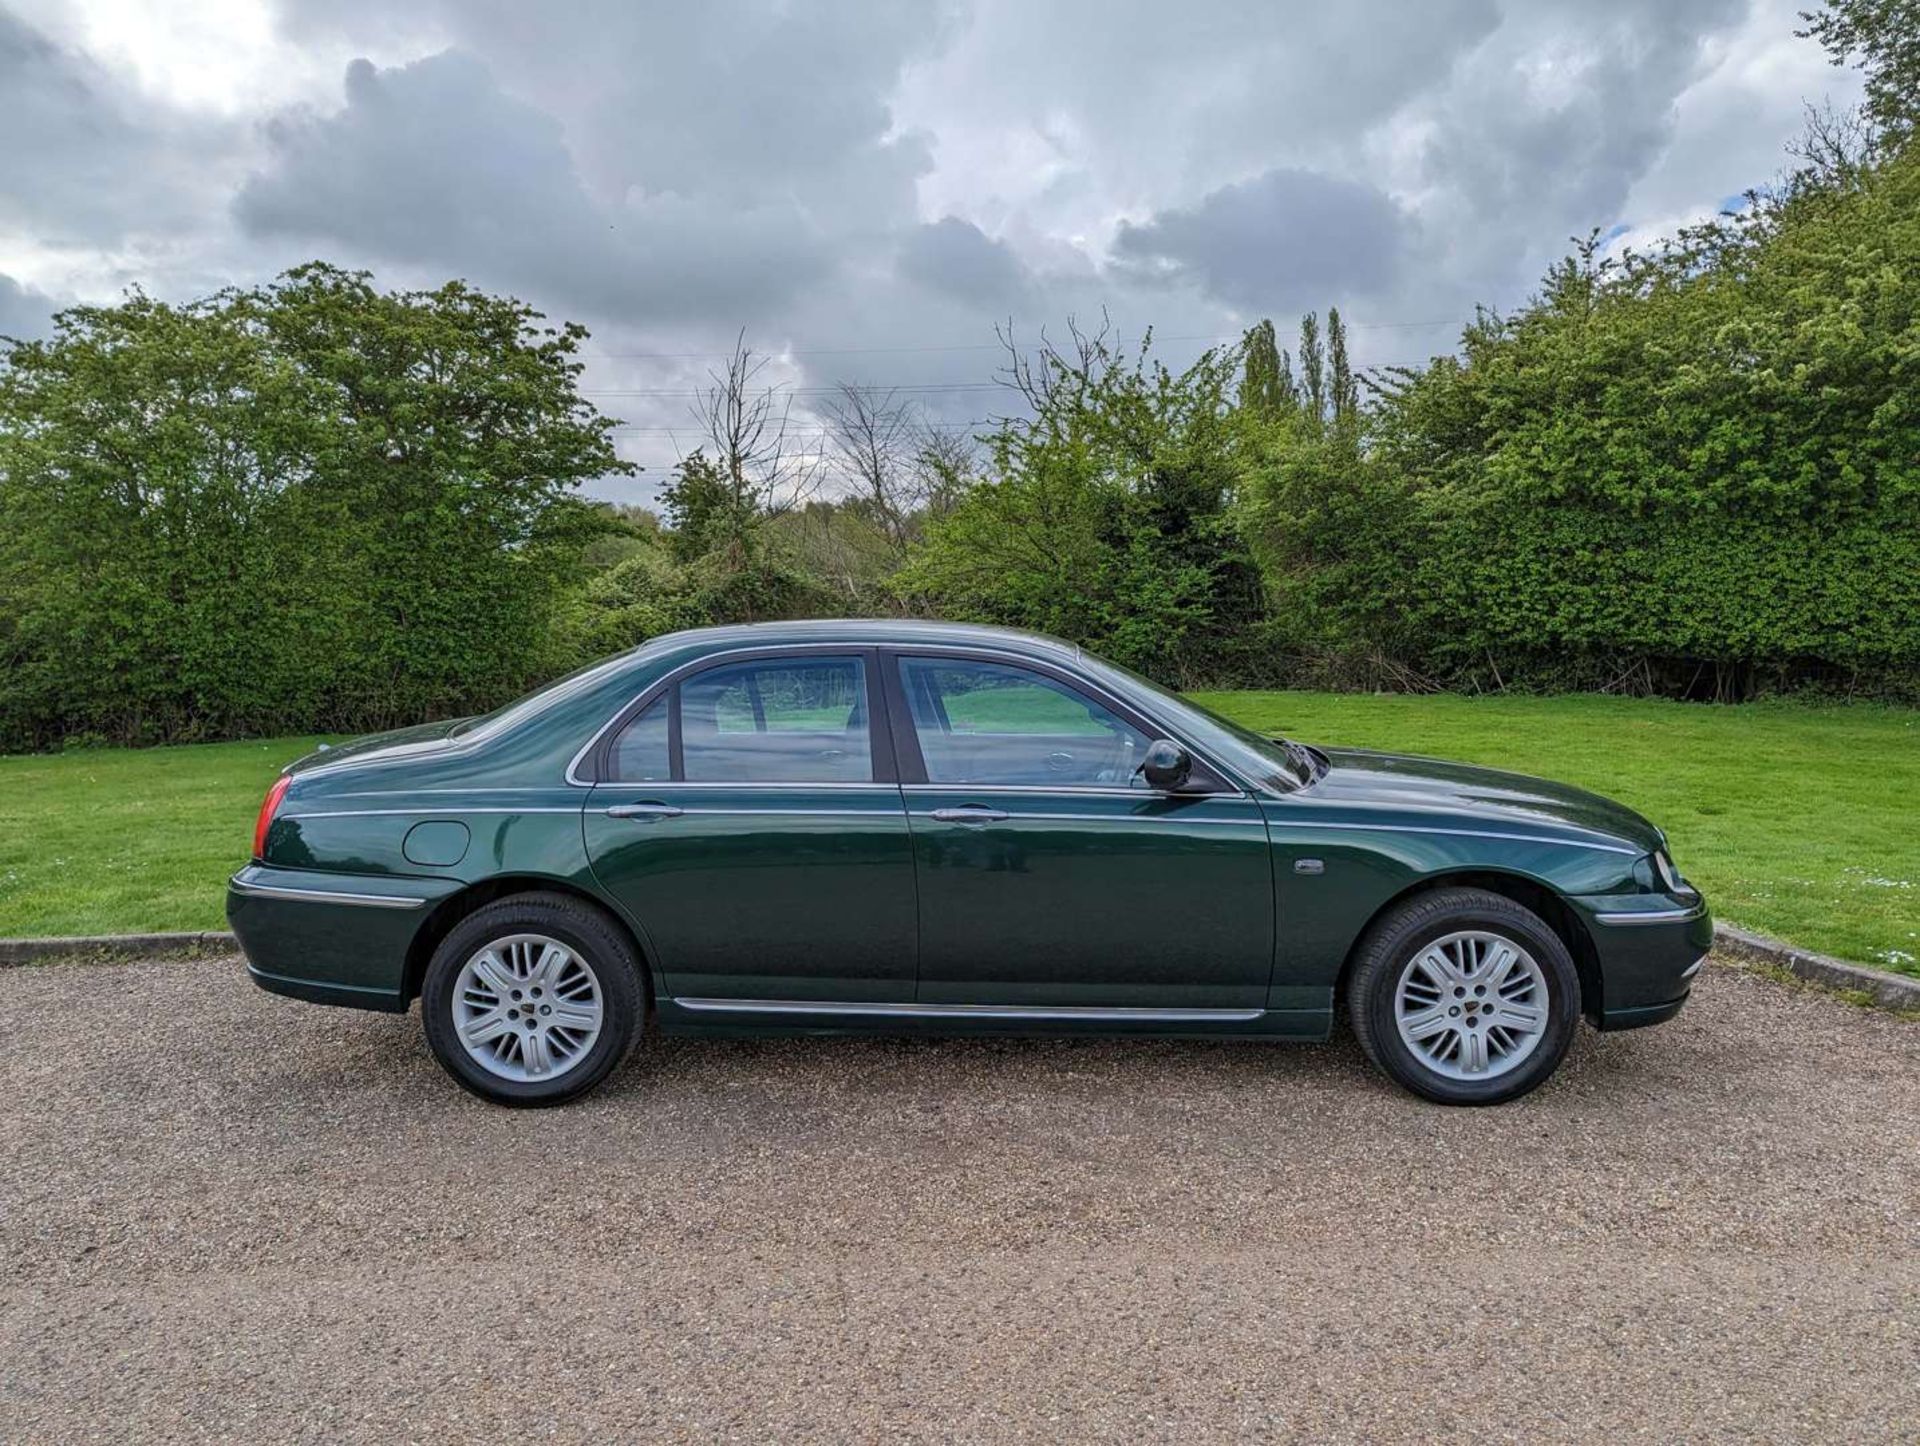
331,938
1649,950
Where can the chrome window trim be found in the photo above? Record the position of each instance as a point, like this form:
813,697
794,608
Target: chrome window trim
1034,1012
1651,916
1099,690
897,650
666,680
326,896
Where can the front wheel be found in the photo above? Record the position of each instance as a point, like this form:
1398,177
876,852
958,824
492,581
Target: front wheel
532,1000
1464,997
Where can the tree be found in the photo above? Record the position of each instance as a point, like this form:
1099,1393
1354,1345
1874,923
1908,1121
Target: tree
1691,470
1104,515
699,505
873,436
313,504
1313,368
1343,390
1883,37
945,463
758,453
1267,388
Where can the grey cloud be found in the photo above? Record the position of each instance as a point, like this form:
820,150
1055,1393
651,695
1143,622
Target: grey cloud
896,175
85,162
25,314
432,164
958,259
1283,240
727,97
1548,124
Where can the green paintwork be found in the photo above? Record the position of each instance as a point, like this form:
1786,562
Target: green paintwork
1101,900
812,902
1244,902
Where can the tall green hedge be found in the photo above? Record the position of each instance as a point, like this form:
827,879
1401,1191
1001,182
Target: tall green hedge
1698,469
309,506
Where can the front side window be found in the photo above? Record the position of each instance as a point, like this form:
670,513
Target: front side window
777,720
997,724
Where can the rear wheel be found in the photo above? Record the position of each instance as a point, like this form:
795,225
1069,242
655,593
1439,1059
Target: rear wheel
532,1000
1464,997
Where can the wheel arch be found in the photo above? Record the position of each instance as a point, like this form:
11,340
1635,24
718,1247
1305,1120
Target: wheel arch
448,913
1529,893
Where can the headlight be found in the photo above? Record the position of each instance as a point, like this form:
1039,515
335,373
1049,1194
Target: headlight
1669,876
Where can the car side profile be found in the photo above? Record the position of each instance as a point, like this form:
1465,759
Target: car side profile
855,826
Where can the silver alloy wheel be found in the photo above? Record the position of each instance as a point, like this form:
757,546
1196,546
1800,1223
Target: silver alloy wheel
1472,1005
527,1008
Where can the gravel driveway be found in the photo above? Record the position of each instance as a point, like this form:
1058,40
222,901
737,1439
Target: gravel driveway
229,1214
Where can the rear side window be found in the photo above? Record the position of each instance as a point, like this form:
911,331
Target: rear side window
639,753
777,720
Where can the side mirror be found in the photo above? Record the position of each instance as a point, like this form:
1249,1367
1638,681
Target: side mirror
1166,766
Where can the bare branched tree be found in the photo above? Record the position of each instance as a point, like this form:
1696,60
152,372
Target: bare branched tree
873,435
1835,146
1038,372
945,463
759,453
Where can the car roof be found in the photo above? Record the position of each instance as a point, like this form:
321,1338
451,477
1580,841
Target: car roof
866,632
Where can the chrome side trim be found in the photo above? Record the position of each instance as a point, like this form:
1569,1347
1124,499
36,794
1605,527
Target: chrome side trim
822,787
327,896
1064,790
452,811
1167,818
1652,916
1036,1012
533,788
1570,843
697,811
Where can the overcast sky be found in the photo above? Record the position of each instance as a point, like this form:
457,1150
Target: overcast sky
868,186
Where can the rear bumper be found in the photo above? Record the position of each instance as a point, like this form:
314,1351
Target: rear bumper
1650,950
331,938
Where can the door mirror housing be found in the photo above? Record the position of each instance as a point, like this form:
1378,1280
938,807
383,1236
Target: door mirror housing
1167,766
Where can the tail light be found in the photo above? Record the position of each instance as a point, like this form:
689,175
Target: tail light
268,807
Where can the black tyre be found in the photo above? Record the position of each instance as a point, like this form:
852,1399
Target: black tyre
1464,997
533,999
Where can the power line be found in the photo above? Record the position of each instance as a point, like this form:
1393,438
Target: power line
801,431
963,346
788,390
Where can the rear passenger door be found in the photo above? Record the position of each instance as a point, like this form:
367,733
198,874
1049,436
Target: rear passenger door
747,816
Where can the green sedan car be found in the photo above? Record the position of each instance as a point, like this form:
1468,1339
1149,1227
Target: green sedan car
846,827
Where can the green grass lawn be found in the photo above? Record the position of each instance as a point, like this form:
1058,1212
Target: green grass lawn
123,840
1802,822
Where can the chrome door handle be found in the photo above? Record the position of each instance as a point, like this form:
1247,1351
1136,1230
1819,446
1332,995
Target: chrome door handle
972,813
646,811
